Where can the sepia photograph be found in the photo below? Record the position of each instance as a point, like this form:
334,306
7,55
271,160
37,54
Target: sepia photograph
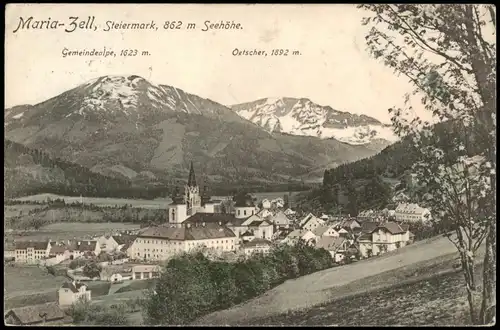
250,165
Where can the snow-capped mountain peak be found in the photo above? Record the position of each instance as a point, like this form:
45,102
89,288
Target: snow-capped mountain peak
111,98
304,117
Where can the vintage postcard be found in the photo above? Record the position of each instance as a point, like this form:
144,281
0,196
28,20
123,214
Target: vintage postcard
250,164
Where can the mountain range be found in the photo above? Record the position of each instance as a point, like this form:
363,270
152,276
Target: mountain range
306,118
129,128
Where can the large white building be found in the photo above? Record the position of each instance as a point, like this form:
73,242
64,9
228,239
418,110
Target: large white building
31,252
407,212
194,221
166,241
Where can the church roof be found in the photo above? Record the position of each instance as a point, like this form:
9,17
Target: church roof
188,233
192,177
224,218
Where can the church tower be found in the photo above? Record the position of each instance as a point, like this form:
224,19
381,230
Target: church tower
192,196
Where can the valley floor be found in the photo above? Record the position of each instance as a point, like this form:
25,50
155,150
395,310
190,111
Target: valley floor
416,265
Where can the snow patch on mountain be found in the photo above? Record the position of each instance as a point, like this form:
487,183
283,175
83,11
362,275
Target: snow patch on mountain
306,118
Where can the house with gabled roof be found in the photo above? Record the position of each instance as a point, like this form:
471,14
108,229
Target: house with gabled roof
384,237
300,234
337,246
280,220
325,230
37,315
72,292
311,222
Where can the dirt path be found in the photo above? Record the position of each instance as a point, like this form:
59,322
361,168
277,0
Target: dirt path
316,288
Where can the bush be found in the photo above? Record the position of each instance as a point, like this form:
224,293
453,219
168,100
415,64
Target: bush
77,263
85,313
191,285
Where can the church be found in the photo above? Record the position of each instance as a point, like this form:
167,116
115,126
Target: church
192,202
194,220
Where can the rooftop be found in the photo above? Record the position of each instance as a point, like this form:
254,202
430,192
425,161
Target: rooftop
124,239
256,242
38,313
187,233
73,286
392,227
37,245
330,243
223,218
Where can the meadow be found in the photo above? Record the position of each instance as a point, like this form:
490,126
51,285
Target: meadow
22,280
438,301
30,285
103,202
70,230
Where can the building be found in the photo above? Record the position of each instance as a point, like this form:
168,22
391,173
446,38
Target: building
191,202
88,248
30,251
116,274
278,202
337,246
43,314
9,252
123,242
300,234
107,243
164,242
244,208
72,292
325,230
407,212
311,222
144,272
350,224
266,204
280,220
259,227
257,245
264,213
247,236
59,251
386,237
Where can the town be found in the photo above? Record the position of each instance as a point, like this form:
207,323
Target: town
350,183
197,222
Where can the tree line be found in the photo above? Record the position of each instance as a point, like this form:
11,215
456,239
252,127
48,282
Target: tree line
191,285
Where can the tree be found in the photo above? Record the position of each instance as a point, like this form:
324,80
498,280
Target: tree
85,313
352,196
91,270
448,53
286,201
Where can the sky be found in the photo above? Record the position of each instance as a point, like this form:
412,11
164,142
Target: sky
333,69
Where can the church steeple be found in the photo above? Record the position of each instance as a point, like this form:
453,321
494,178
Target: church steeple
192,178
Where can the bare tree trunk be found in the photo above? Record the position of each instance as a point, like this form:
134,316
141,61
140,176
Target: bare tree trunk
468,271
